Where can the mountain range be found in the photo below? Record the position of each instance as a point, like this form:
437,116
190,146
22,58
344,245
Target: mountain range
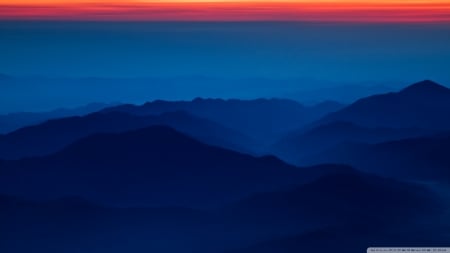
153,166
415,111
421,158
420,105
13,121
189,176
363,206
297,145
261,119
53,135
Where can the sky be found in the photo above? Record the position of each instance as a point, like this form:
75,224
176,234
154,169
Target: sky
325,42
276,50
230,10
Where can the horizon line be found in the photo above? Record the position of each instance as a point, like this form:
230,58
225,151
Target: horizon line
231,12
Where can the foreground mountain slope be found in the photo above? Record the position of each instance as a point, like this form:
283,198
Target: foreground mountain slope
342,198
354,239
154,166
339,207
354,211
75,225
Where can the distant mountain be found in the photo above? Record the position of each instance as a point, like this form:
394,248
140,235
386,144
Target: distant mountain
343,93
54,135
262,119
50,92
302,143
151,166
13,121
424,158
421,105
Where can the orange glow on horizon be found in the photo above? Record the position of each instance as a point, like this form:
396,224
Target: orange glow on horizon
221,10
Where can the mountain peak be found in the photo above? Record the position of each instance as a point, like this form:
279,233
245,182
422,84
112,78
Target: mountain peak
426,86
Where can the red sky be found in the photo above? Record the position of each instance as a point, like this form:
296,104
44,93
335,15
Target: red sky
418,11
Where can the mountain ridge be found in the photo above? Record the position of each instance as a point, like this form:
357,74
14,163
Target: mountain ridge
420,105
53,135
156,165
261,119
427,86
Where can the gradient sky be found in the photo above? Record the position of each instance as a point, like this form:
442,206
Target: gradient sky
332,52
330,42
417,11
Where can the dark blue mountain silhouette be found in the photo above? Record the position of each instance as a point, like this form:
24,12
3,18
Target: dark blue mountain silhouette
337,199
54,135
424,158
263,119
353,239
352,211
421,105
380,206
342,198
151,166
13,121
303,143
426,87
75,225
137,172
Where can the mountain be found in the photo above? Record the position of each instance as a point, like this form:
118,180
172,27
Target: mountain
303,143
13,121
44,93
261,119
349,197
151,166
351,212
421,105
54,135
355,199
353,239
75,225
426,87
343,93
424,158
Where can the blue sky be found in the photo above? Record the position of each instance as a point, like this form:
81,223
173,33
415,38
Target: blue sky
334,54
